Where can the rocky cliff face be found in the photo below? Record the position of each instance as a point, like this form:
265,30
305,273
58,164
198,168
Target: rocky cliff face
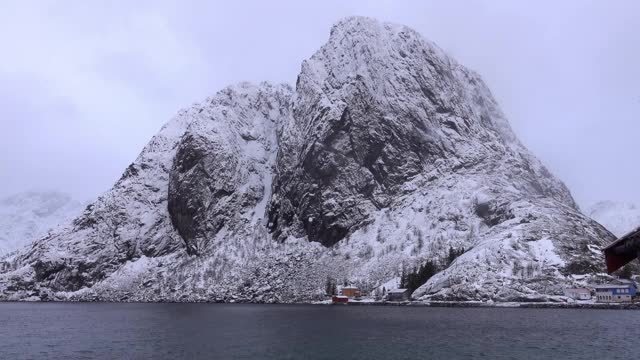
378,107
387,154
223,168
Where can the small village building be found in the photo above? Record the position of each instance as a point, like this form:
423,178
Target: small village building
578,293
399,295
350,291
339,299
609,293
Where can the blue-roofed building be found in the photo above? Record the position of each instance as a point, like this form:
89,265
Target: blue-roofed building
624,292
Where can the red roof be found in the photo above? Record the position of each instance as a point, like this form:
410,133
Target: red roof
339,299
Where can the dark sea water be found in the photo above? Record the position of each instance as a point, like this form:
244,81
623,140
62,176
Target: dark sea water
217,331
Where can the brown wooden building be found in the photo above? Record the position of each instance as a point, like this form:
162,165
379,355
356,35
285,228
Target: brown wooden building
350,291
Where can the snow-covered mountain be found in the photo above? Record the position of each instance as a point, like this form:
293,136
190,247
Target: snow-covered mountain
387,154
28,216
619,218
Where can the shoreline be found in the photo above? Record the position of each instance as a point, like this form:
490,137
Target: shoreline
511,305
426,304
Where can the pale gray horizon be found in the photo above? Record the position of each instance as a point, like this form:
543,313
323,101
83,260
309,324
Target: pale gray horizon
85,85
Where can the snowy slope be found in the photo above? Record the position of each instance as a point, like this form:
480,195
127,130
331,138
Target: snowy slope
26,217
387,154
619,218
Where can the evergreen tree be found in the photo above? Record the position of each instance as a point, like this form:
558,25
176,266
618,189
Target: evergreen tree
330,286
419,276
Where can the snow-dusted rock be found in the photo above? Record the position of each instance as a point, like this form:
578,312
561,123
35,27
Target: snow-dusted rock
386,155
223,168
379,107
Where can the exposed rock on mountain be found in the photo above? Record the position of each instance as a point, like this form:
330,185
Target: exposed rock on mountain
25,217
386,155
619,218
222,171
380,107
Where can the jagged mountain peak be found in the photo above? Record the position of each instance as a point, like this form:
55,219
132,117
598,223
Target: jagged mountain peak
225,164
378,107
386,155
390,58
375,33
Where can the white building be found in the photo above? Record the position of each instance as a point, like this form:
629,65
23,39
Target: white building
399,295
578,293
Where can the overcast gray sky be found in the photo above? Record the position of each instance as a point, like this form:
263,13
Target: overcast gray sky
85,84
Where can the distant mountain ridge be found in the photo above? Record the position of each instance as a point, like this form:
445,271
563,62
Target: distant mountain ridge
27,216
618,217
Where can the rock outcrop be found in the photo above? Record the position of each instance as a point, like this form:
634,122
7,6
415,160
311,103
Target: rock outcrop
223,167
